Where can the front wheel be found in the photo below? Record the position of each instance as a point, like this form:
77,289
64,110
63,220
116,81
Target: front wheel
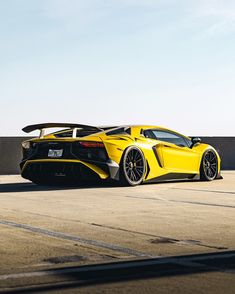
133,166
209,166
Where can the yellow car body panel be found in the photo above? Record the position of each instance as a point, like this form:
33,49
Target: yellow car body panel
162,158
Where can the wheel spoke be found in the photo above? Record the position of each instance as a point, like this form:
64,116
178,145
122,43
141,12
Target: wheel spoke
213,159
212,172
139,166
139,173
208,172
207,157
139,160
132,155
133,175
129,157
213,168
210,165
134,165
136,156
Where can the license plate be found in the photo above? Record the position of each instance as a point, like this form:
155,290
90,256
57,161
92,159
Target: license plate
55,153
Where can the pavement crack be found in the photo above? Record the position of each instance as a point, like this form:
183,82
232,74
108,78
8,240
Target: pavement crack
182,201
202,190
202,203
162,240
157,239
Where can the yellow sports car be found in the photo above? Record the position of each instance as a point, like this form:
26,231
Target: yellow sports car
128,154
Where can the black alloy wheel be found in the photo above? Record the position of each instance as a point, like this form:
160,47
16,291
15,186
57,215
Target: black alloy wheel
209,166
133,166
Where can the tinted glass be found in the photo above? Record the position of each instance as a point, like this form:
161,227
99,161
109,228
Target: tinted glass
80,133
170,137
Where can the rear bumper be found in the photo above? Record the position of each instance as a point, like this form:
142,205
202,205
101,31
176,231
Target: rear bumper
69,169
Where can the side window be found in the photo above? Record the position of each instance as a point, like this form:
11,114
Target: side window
149,134
170,137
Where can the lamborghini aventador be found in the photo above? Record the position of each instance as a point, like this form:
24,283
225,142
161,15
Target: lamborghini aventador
131,155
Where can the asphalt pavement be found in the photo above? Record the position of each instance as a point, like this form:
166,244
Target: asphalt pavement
174,237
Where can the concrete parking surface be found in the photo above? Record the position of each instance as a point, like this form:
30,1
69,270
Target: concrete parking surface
175,237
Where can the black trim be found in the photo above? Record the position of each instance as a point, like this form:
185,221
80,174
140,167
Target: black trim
118,131
31,128
37,171
172,176
147,169
71,150
157,156
110,167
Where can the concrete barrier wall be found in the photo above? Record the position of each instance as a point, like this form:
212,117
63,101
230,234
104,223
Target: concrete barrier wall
10,152
226,149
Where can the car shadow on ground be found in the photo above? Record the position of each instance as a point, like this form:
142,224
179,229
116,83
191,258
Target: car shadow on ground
30,187
98,274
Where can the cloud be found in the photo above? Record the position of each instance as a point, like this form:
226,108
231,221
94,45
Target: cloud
105,16
216,8
63,9
210,18
217,16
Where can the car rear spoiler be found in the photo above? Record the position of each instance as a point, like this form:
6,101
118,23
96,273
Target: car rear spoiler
43,126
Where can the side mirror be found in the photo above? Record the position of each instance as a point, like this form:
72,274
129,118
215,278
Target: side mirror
195,140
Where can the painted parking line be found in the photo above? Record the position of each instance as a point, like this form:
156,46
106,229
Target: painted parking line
64,236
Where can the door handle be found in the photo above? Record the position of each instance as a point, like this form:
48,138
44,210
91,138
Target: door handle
167,146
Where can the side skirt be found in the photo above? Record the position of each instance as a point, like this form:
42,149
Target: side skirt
173,176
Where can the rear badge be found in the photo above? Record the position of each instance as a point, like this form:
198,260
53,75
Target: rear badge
55,153
60,175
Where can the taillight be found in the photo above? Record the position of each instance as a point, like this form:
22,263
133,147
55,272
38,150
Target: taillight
89,150
89,144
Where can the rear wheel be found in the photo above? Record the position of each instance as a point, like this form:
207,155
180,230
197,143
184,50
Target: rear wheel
209,166
133,166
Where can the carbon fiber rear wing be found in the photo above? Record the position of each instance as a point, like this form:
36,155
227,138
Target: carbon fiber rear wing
43,126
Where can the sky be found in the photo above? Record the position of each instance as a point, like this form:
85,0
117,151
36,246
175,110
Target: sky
100,62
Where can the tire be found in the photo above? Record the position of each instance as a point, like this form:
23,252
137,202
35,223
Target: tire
133,167
209,166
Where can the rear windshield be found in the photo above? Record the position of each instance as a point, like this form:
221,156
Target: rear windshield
80,133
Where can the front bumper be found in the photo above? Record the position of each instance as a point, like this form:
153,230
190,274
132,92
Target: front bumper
219,176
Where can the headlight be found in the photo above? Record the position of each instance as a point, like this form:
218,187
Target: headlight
26,145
